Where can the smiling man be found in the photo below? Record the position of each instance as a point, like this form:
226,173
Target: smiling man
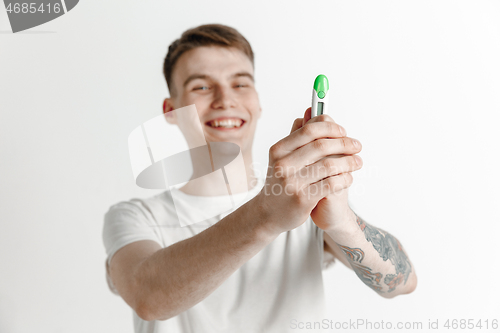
259,268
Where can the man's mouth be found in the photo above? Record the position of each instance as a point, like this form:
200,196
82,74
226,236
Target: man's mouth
225,123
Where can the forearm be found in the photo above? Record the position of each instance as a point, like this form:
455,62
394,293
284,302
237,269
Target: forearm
179,276
376,256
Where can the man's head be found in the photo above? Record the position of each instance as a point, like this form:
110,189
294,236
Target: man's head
212,67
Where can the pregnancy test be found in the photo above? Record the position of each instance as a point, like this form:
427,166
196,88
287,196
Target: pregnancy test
320,96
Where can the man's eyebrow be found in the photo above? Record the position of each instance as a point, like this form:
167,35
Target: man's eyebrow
193,77
208,77
243,74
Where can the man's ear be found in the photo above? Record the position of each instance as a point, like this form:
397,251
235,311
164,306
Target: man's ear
167,108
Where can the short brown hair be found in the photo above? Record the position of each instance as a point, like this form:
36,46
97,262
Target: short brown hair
204,35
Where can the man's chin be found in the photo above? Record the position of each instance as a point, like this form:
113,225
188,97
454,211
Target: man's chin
212,138
225,145
223,152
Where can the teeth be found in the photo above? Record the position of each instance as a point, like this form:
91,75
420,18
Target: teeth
228,123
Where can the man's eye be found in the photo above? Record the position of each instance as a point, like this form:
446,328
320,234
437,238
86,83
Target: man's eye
241,85
201,88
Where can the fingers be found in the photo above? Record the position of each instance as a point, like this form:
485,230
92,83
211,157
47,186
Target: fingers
321,117
306,134
299,122
318,149
325,117
331,166
330,185
307,116
308,145
296,124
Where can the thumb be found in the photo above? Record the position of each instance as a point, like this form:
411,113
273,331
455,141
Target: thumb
307,116
296,125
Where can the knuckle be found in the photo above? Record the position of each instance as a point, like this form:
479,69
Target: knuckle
301,199
332,183
291,181
343,143
329,164
279,168
274,149
307,130
320,144
297,123
326,117
332,127
299,196
323,117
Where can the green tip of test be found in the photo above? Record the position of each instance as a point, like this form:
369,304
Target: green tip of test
321,85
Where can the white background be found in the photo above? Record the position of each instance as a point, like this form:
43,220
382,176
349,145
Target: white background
417,82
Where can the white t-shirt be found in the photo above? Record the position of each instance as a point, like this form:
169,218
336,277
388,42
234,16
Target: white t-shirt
280,284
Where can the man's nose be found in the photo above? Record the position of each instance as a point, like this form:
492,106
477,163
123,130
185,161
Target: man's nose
223,98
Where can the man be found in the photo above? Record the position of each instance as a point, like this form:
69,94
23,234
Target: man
259,268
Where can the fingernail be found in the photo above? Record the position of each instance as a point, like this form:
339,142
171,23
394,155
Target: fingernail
342,131
358,159
356,143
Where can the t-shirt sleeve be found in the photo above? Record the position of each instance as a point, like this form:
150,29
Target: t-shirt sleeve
124,223
328,258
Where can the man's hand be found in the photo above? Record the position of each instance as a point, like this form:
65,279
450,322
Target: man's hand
310,166
334,209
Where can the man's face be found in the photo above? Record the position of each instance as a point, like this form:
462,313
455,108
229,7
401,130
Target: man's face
219,81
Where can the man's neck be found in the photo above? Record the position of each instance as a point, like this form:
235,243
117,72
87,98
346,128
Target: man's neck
240,175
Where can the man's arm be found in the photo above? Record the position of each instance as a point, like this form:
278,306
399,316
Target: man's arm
376,256
159,283
331,247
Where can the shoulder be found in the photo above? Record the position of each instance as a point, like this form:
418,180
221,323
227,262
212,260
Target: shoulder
143,207
135,216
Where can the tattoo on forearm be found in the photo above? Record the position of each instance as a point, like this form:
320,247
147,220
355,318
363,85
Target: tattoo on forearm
355,257
353,254
388,248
